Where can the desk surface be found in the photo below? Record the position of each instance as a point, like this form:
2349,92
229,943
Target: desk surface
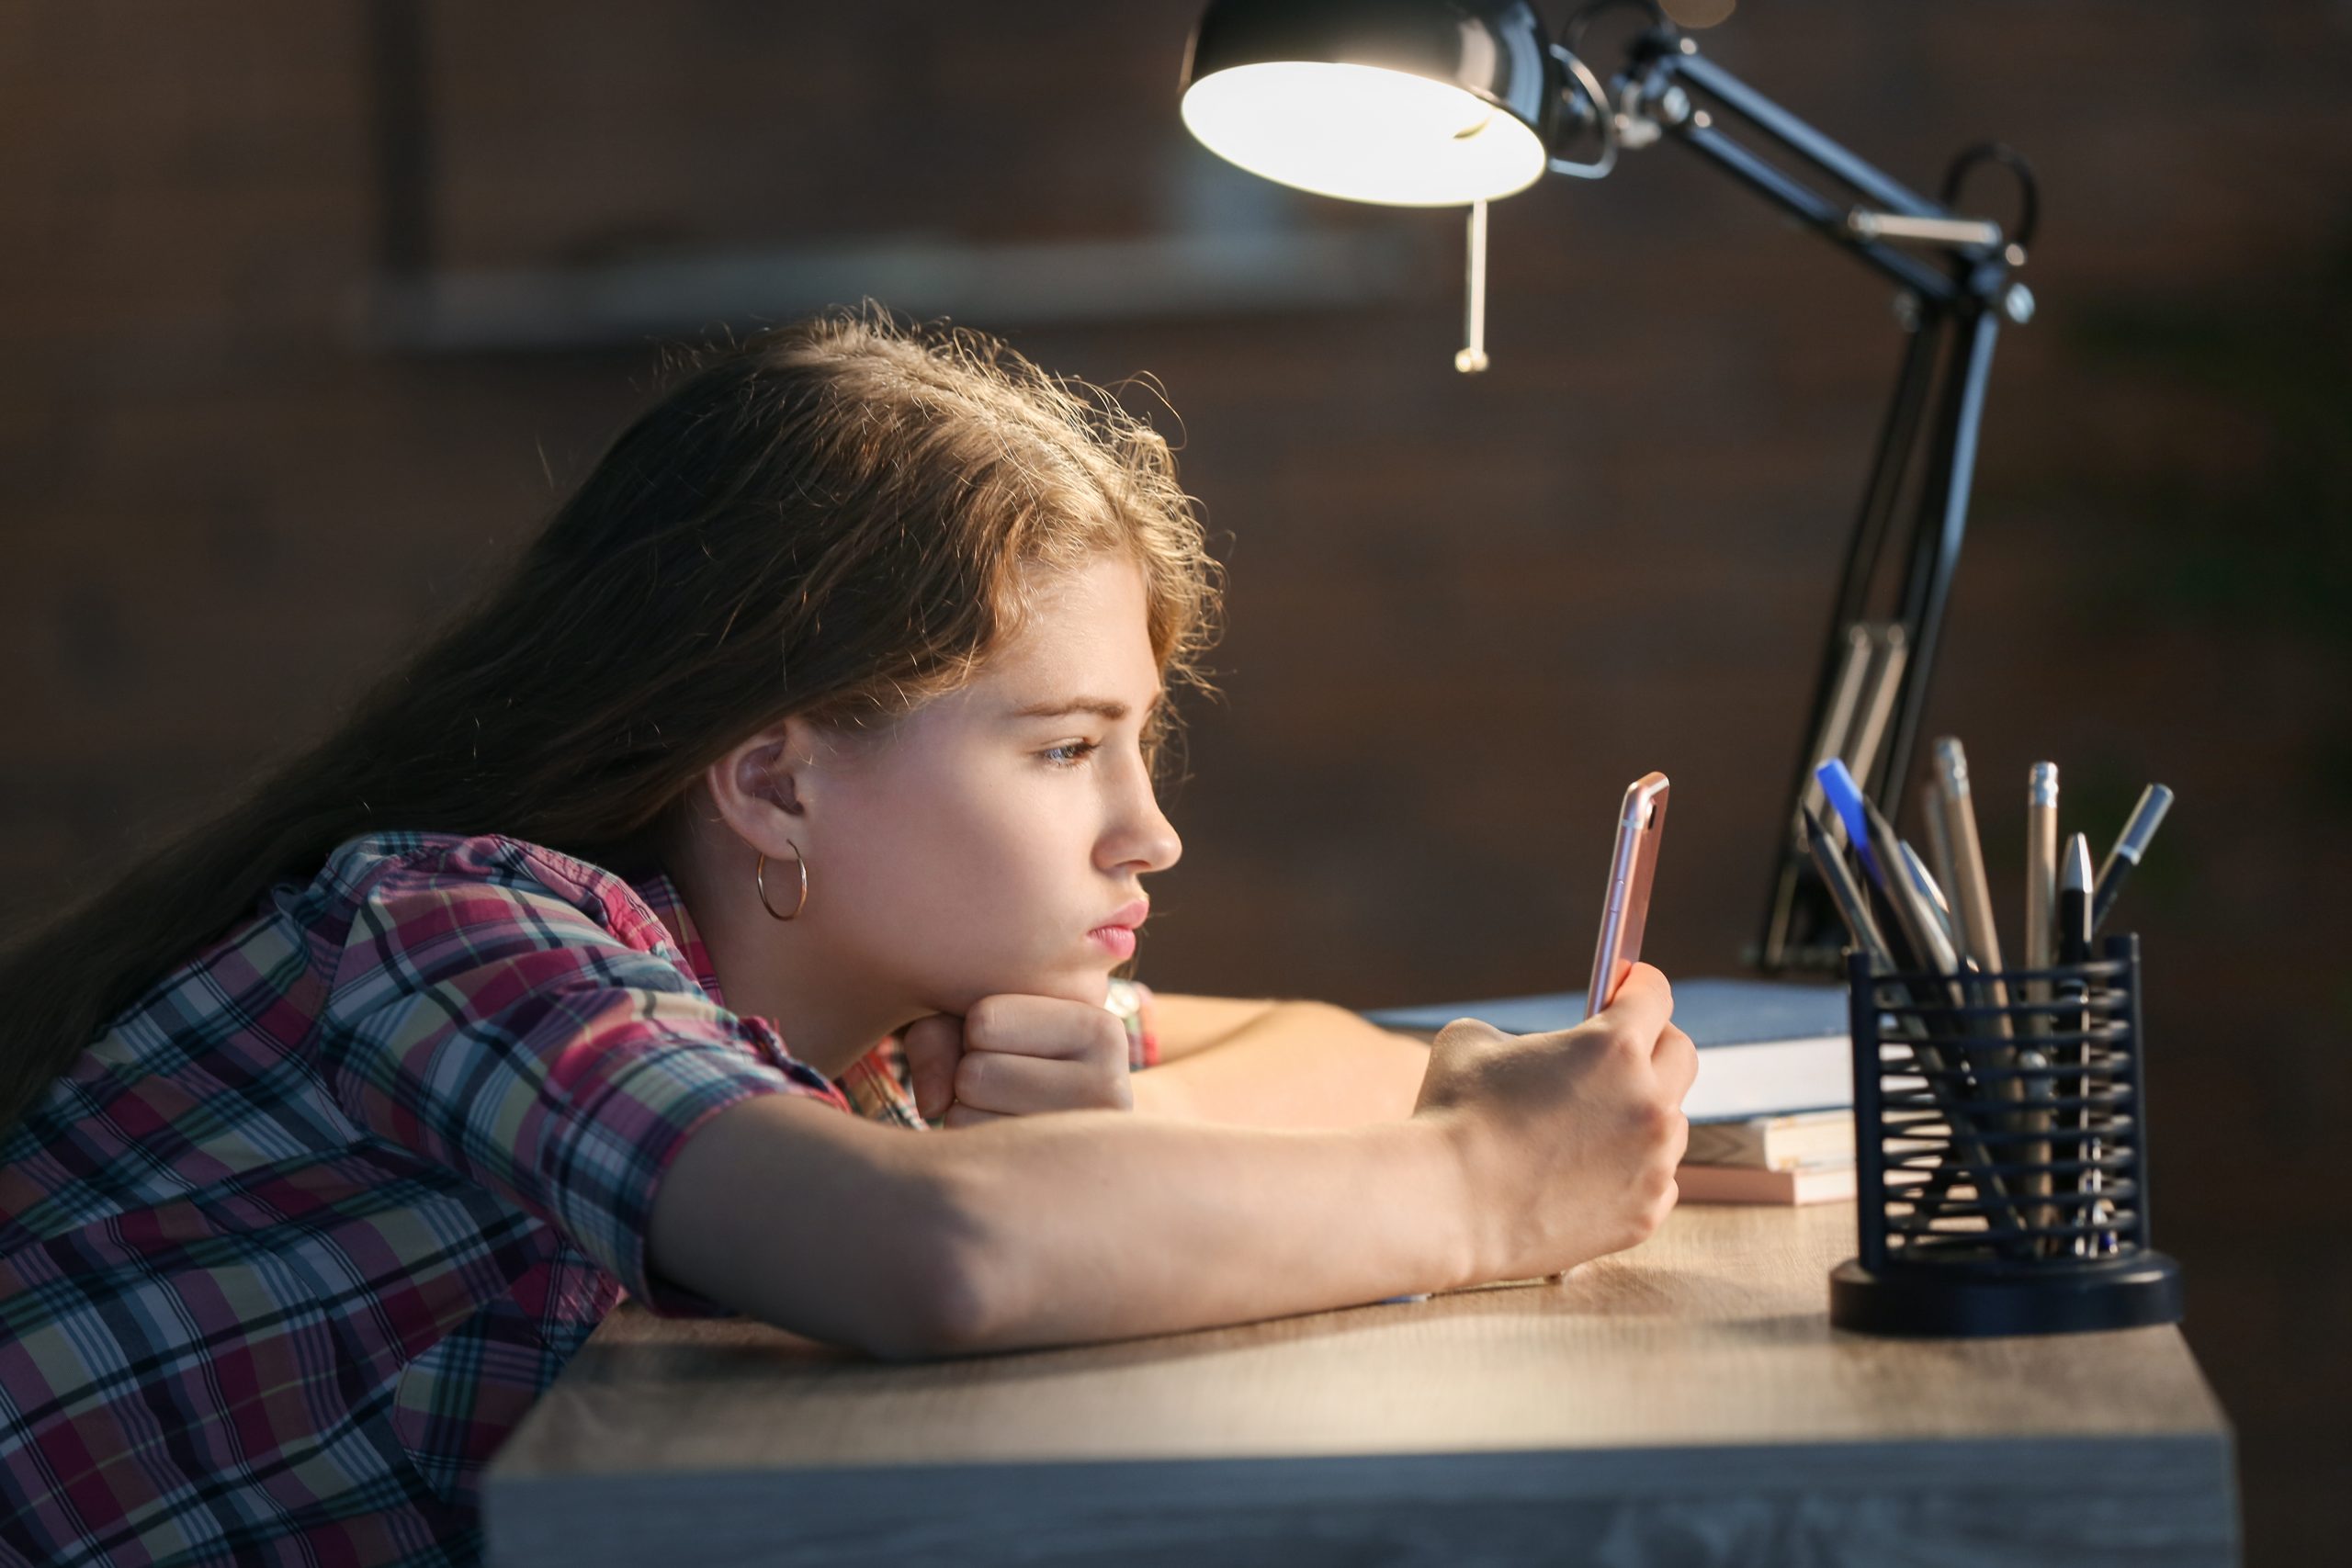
1689,1394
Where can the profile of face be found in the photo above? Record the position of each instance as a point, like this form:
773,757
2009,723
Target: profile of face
980,844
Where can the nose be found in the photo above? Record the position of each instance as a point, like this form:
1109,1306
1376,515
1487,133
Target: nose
1139,835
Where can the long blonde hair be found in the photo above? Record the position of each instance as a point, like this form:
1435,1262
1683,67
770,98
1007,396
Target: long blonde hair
835,519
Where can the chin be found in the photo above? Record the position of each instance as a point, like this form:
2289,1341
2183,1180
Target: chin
1083,982
1091,983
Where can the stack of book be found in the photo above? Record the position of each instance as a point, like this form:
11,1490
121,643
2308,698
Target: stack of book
1771,1112
1775,1121
1807,1158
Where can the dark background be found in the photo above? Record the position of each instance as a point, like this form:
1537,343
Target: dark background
309,311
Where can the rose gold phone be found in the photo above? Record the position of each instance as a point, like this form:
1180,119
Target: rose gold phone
1626,910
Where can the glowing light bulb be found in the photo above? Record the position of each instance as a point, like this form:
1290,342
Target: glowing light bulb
1364,133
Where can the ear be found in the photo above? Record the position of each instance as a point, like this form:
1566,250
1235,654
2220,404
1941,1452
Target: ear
766,788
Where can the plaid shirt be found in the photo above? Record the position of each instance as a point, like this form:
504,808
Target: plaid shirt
296,1241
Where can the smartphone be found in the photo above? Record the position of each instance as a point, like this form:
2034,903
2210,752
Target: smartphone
1640,823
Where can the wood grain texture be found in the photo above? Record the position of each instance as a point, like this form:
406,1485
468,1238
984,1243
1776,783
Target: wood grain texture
1684,1401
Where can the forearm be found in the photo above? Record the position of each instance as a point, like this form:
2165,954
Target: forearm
1049,1230
1102,1225
1292,1064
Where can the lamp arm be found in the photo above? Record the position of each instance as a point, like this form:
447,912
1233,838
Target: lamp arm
1690,97
1953,296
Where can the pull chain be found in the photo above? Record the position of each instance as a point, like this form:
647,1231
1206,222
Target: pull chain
1473,358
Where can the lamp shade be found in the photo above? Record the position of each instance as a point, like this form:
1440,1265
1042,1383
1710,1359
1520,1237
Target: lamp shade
1412,103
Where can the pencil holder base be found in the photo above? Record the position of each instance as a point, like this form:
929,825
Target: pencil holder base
1931,1303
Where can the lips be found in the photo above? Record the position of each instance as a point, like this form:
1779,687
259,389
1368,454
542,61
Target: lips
1129,916
1116,936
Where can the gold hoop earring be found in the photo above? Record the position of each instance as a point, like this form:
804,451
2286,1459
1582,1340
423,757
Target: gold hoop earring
759,879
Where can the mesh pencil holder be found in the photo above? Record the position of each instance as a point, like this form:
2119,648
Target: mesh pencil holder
2000,1146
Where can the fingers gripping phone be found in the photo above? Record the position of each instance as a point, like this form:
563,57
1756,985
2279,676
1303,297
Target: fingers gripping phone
1640,824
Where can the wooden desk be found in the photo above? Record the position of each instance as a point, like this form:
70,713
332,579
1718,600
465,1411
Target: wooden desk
1684,1403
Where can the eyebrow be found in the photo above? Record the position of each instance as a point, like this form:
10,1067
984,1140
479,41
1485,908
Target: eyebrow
1101,708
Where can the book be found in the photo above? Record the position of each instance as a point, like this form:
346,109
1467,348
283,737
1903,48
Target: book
1765,1047
1823,1183
1774,1143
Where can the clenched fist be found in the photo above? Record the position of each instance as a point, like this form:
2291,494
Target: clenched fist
1018,1055
1569,1139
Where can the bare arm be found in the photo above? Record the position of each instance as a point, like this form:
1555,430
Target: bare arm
1187,1023
1524,1156
1042,1230
1278,1064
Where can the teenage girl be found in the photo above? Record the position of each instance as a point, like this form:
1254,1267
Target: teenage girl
708,915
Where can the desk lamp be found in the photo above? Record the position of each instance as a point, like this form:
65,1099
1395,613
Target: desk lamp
1442,103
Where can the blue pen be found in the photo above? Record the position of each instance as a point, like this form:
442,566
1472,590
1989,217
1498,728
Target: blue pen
1846,797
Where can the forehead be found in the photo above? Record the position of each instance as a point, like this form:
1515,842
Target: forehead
1088,626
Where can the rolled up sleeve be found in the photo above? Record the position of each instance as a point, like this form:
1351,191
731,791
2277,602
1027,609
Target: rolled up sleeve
503,1032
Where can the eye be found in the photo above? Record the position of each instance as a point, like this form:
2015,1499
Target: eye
1070,753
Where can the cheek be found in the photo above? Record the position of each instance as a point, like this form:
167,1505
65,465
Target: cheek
1011,849
978,863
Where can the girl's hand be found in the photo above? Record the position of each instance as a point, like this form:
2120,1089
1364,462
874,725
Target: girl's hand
1569,1141
1018,1055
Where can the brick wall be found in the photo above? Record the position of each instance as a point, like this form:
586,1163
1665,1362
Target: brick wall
1464,611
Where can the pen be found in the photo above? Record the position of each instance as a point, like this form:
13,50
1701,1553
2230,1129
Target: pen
1932,895
1940,851
2041,914
1955,805
1844,797
2040,880
1917,922
2130,844
1980,939
1868,935
1912,912
2074,948
1843,891
1923,930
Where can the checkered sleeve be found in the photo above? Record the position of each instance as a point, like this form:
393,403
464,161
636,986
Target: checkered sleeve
501,1031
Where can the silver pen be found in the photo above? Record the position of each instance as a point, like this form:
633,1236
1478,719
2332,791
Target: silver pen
2130,844
1939,850
2041,875
2074,925
2040,953
1854,907
1946,953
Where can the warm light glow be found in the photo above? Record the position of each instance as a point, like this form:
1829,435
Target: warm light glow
1364,133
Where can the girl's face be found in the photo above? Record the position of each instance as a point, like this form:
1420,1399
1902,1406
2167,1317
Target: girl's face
983,843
